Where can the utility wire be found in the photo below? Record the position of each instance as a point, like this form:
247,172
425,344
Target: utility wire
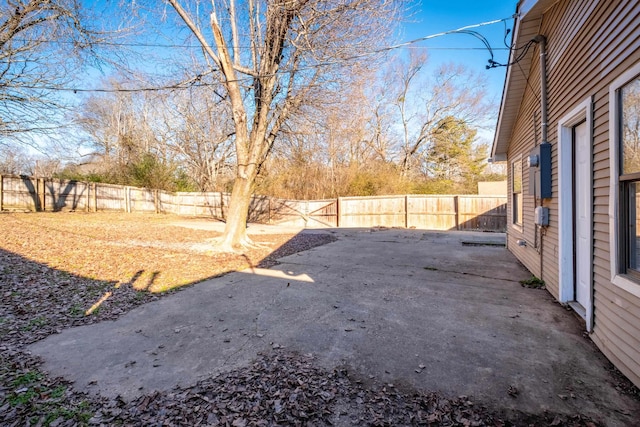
105,90
192,46
195,82
524,49
197,46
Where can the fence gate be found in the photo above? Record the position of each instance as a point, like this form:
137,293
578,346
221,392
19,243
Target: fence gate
322,213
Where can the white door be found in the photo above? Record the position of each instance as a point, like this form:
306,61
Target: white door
582,192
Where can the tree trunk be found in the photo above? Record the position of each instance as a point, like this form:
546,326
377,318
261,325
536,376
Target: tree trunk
235,231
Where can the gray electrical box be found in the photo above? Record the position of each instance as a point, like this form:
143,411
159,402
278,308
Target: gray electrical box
539,161
541,216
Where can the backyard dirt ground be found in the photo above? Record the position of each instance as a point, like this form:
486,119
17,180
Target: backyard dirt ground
63,270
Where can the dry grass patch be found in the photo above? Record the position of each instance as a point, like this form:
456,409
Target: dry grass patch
66,269
147,252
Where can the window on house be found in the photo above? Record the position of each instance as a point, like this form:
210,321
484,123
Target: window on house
628,128
516,191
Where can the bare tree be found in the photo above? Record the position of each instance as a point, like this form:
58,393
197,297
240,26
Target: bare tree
405,75
274,59
454,92
14,160
198,131
43,43
189,128
121,125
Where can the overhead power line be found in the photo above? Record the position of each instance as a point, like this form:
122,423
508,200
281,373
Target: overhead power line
193,46
113,90
195,82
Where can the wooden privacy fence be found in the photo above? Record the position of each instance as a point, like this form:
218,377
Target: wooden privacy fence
422,211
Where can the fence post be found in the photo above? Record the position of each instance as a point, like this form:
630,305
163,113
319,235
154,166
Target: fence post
269,210
222,205
40,191
127,200
338,212
457,211
1,192
155,201
406,211
95,197
86,206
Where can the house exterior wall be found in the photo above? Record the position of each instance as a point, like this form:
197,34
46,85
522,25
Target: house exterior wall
492,188
589,44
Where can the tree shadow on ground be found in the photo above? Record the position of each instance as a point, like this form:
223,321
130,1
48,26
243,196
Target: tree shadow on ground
38,300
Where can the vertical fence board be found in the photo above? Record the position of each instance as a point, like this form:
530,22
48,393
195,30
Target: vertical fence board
110,197
482,213
95,198
383,211
431,212
61,195
20,193
40,194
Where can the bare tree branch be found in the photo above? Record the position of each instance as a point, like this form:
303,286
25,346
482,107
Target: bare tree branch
43,45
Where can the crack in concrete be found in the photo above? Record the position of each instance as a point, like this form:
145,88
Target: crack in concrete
465,273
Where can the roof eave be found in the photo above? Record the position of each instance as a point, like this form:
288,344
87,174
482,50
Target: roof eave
528,18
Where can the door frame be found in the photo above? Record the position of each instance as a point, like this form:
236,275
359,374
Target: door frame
566,251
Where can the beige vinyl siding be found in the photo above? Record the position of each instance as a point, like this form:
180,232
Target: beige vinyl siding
589,44
617,313
525,136
615,328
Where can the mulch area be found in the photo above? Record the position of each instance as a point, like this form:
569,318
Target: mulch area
63,270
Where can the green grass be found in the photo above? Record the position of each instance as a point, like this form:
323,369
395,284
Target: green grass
36,322
47,404
81,412
23,398
58,392
76,310
533,282
27,378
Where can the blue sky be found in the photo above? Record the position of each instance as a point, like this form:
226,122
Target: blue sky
426,17
434,16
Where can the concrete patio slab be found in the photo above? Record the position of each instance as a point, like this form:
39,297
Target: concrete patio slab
383,303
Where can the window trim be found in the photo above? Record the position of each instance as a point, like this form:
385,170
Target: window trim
623,281
513,223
